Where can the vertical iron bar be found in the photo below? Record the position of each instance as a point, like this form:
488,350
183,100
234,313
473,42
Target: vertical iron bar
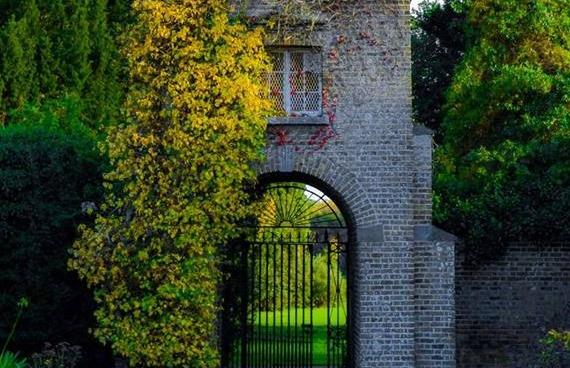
289,280
328,245
303,304
281,341
311,301
348,266
288,350
251,324
251,301
267,300
251,317
295,346
258,338
244,302
338,295
251,344
274,287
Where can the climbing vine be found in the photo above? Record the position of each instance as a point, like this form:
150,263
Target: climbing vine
196,122
318,139
290,17
296,22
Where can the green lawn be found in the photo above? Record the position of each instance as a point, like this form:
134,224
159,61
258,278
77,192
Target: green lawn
279,337
303,315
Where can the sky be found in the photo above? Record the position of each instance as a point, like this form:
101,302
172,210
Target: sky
414,3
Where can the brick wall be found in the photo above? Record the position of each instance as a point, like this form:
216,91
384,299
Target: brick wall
503,307
422,202
434,268
369,163
379,167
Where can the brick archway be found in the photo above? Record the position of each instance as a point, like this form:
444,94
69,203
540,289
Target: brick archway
284,162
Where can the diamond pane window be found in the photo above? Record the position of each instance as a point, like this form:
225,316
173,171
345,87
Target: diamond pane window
295,83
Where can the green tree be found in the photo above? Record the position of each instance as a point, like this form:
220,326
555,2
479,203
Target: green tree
52,48
103,92
119,13
439,38
503,171
17,63
196,122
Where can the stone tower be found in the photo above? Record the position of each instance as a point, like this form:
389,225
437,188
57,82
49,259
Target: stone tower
346,129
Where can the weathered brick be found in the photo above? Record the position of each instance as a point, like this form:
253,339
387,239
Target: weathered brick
379,167
505,306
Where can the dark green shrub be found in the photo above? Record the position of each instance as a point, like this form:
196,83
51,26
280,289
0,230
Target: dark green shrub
46,172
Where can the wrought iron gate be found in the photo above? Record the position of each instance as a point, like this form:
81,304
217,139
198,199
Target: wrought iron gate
290,304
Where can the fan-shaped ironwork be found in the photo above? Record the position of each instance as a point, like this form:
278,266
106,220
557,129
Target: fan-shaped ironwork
299,205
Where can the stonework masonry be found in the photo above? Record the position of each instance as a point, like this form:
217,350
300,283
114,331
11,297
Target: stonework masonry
368,153
505,306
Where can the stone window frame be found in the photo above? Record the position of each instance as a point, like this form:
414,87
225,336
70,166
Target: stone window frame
280,81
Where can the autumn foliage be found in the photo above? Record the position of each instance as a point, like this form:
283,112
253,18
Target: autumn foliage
196,122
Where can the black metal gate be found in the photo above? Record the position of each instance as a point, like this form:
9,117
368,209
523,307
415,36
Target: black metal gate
289,299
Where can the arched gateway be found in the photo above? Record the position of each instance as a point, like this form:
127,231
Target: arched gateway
355,276
294,275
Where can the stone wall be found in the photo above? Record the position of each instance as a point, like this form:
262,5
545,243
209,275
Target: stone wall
504,307
368,157
434,268
368,161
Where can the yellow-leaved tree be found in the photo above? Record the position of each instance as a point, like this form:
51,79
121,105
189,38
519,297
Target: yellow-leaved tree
196,120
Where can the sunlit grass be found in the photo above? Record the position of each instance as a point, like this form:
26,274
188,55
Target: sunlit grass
280,340
300,316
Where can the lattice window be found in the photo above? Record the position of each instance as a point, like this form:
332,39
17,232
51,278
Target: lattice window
296,81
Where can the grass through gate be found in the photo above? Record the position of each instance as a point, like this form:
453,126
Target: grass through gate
276,333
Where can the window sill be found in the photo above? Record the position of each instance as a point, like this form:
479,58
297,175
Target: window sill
299,120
